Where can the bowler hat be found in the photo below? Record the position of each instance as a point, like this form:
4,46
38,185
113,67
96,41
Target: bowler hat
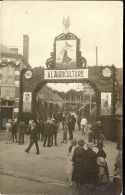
99,145
101,161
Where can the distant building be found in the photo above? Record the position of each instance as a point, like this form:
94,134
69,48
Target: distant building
11,63
47,94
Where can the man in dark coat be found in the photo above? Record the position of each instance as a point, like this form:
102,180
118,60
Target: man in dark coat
38,127
22,128
33,139
91,165
14,130
96,128
53,129
74,121
47,134
70,127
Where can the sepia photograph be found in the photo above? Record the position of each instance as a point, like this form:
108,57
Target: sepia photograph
61,97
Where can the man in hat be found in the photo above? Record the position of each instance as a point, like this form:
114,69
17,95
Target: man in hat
53,129
91,165
96,128
73,121
70,127
33,139
14,130
47,133
22,128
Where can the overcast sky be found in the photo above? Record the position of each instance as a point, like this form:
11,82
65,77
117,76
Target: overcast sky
96,23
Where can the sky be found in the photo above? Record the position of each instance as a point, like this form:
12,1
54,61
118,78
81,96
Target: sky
97,23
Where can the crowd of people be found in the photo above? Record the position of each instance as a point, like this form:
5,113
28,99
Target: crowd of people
89,167
84,166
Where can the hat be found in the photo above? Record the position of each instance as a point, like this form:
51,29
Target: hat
81,142
99,145
101,161
9,120
74,141
90,145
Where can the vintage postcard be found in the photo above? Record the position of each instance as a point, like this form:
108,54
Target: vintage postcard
61,89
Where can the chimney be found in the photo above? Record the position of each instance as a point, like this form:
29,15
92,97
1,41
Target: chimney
26,47
14,49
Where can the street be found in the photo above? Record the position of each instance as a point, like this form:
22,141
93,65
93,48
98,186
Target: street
28,173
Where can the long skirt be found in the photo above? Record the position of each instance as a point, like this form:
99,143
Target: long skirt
8,137
79,171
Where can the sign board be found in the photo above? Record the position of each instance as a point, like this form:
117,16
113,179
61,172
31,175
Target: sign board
66,74
27,100
106,103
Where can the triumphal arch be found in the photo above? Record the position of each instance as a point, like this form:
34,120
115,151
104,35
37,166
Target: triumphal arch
67,65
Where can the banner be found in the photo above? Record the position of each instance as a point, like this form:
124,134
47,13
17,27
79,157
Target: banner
66,74
27,100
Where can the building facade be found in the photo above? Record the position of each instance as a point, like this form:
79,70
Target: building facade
11,64
47,94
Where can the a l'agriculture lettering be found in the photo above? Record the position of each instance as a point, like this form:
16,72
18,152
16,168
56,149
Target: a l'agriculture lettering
61,74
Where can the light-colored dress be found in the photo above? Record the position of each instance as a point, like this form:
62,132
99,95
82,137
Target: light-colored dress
69,169
8,135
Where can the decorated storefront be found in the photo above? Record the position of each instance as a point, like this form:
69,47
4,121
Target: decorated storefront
66,65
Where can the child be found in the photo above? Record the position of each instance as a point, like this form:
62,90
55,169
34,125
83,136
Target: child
102,171
70,166
65,130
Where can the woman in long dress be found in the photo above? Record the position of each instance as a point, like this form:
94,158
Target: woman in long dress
69,169
8,135
79,160
66,59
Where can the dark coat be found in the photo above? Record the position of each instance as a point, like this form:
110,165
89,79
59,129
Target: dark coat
73,120
70,124
34,134
79,160
47,131
91,166
53,128
14,127
22,127
101,153
42,128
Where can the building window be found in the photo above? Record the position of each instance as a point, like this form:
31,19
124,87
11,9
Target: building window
10,103
3,102
8,75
